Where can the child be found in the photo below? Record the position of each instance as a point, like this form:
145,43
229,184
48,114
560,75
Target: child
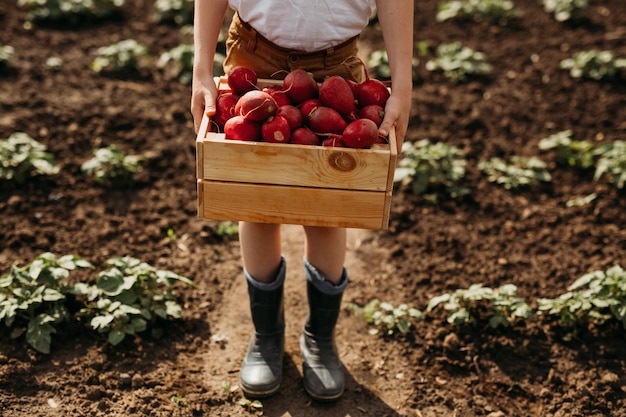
272,38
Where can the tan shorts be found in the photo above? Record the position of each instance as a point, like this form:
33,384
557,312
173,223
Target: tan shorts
248,48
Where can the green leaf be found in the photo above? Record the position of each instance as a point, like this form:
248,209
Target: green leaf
403,326
128,309
39,334
460,317
81,288
498,320
52,295
160,312
169,278
435,301
111,282
6,280
101,322
17,332
115,337
416,314
127,297
138,325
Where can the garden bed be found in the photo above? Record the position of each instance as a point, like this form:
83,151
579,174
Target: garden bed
531,237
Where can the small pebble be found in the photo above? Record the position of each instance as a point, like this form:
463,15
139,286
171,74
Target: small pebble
125,380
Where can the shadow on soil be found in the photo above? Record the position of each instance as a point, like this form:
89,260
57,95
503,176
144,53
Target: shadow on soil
293,401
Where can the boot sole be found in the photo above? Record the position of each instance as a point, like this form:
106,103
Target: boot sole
324,398
259,394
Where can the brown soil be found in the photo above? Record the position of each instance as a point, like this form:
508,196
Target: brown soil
529,238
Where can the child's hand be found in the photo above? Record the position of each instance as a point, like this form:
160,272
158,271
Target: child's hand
203,96
396,114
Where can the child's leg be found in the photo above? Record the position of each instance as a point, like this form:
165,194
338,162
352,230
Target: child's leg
325,248
260,249
264,269
326,278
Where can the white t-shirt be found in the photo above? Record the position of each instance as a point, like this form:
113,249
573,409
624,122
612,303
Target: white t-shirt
306,25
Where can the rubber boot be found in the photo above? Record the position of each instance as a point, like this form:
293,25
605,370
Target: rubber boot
262,368
323,373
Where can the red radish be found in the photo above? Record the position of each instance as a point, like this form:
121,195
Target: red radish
276,129
373,91
242,79
361,133
374,112
225,108
256,105
299,86
326,120
308,106
278,94
304,136
335,92
354,86
381,140
293,115
334,142
240,128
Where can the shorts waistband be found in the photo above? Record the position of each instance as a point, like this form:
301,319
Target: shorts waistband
344,49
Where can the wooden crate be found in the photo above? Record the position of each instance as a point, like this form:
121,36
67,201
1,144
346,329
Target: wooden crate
293,184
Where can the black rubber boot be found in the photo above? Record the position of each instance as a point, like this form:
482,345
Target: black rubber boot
324,376
262,368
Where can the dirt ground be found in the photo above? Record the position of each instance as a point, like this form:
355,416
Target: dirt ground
529,238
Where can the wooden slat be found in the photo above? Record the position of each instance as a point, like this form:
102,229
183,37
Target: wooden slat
393,159
290,164
219,200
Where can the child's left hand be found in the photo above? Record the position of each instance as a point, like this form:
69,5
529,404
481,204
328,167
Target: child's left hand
396,115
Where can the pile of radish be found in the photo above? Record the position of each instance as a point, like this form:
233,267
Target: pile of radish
336,112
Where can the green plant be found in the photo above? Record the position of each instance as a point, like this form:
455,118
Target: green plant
22,157
491,11
6,56
227,228
500,307
251,405
384,316
582,201
113,168
594,64
229,389
458,62
426,165
69,10
378,64
179,400
422,47
171,235
595,297
518,172
178,63
565,10
129,297
54,63
33,298
120,57
179,12
576,154
612,162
